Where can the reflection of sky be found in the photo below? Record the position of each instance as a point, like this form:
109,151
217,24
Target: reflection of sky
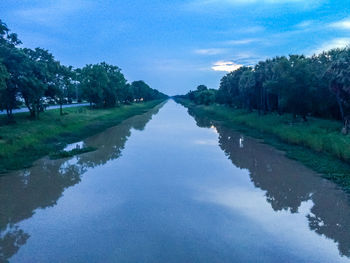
290,230
170,199
72,146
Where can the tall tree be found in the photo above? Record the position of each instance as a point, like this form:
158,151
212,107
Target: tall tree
338,75
39,74
246,86
94,80
12,59
62,85
116,84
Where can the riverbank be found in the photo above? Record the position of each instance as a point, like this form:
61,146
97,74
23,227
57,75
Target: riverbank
317,143
26,141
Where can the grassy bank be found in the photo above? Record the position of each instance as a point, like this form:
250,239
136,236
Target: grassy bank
27,140
317,143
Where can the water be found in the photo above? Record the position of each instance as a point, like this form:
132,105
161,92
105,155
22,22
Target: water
164,187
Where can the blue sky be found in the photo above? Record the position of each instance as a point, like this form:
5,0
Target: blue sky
176,45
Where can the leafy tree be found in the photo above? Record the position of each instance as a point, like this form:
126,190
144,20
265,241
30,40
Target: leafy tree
94,80
39,70
203,95
11,58
297,96
338,74
202,88
246,86
229,87
128,94
4,76
116,85
61,87
143,92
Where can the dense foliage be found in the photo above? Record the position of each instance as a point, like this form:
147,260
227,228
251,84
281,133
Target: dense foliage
304,86
35,78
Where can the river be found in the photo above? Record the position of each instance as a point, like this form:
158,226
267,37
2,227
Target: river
167,187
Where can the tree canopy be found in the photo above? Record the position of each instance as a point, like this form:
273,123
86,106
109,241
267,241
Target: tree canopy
303,86
34,77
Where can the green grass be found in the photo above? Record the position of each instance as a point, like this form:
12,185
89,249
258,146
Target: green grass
317,143
28,140
66,154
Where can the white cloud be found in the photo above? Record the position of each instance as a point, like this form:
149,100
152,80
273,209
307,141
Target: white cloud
343,24
247,58
227,66
251,29
245,2
305,24
52,11
210,51
206,142
248,2
242,41
334,43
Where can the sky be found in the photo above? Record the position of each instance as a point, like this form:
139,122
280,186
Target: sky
177,45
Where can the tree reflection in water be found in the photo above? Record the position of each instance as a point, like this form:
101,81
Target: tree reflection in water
287,185
23,192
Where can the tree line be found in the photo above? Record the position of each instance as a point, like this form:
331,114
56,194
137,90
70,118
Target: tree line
33,76
303,86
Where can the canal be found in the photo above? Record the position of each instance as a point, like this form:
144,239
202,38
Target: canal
166,187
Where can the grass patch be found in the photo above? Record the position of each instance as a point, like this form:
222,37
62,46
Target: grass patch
66,154
317,143
27,140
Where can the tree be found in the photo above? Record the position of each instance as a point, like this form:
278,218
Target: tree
338,74
229,89
116,85
246,87
143,92
4,76
94,80
39,73
202,88
128,94
61,87
297,96
11,59
31,75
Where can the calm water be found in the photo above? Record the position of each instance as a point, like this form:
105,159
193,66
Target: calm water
164,187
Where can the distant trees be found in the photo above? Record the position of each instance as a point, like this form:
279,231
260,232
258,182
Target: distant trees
303,86
203,95
144,92
34,76
105,86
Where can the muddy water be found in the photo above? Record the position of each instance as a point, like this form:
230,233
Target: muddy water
164,187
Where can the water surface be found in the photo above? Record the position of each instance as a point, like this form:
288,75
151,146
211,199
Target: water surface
166,187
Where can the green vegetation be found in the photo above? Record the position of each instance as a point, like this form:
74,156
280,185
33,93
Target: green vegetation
316,143
26,140
317,86
65,154
300,104
33,77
